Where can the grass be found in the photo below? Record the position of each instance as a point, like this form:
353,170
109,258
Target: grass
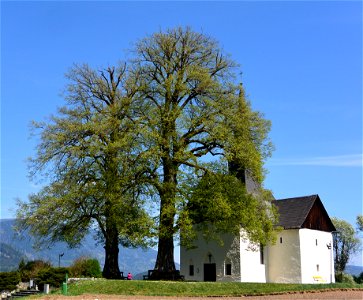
170,288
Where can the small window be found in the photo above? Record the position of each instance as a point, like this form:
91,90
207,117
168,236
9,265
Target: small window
280,240
191,270
262,259
228,269
316,242
317,268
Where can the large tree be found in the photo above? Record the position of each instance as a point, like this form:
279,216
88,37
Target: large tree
345,244
194,115
173,123
88,154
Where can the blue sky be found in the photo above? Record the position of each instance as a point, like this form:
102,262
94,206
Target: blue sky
301,64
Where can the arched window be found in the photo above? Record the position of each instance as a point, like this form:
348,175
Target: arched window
191,268
227,267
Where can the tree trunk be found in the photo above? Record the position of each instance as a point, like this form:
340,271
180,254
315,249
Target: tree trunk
165,266
111,269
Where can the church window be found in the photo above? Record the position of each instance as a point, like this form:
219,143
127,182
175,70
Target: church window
229,269
191,270
262,258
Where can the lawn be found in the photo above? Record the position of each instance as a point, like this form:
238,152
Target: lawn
170,288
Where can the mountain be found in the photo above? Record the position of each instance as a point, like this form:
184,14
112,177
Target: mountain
9,258
353,270
14,247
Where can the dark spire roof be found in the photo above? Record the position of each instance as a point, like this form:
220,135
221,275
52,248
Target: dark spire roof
303,212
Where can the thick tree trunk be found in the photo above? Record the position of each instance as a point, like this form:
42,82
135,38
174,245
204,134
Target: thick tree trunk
111,269
165,266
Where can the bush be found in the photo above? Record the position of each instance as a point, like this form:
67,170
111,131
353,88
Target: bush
31,269
343,277
9,280
52,276
86,267
359,278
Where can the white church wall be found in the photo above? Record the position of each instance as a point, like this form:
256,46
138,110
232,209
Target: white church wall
299,256
283,263
317,264
215,253
252,264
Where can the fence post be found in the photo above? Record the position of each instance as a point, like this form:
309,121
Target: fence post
64,286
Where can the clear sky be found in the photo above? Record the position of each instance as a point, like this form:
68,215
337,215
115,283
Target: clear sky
301,64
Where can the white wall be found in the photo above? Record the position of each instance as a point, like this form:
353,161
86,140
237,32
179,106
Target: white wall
283,259
316,257
251,268
243,256
220,254
302,256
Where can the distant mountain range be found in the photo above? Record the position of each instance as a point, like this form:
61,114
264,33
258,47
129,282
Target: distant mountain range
9,257
13,248
354,270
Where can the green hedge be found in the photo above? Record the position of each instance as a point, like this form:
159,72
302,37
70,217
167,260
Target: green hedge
9,280
52,276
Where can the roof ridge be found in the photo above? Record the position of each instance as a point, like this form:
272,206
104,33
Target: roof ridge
300,197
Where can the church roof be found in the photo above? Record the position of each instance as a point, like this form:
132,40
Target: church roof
303,212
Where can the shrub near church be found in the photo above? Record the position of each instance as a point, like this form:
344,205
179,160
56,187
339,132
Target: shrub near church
9,280
43,273
85,267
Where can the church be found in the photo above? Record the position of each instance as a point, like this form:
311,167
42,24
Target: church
303,252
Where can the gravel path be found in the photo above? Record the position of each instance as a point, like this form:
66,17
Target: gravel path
328,295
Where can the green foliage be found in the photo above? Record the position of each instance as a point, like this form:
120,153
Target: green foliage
85,267
344,278
52,276
359,278
31,269
87,152
360,223
221,204
136,137
192,109
9,280
345,244
42,272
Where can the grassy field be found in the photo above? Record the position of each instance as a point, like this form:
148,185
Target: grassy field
168,288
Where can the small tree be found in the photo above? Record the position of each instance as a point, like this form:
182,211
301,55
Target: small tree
86,267
360,223
32,268
345,244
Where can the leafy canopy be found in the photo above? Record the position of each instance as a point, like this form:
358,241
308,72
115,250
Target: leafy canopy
87,154
148,132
